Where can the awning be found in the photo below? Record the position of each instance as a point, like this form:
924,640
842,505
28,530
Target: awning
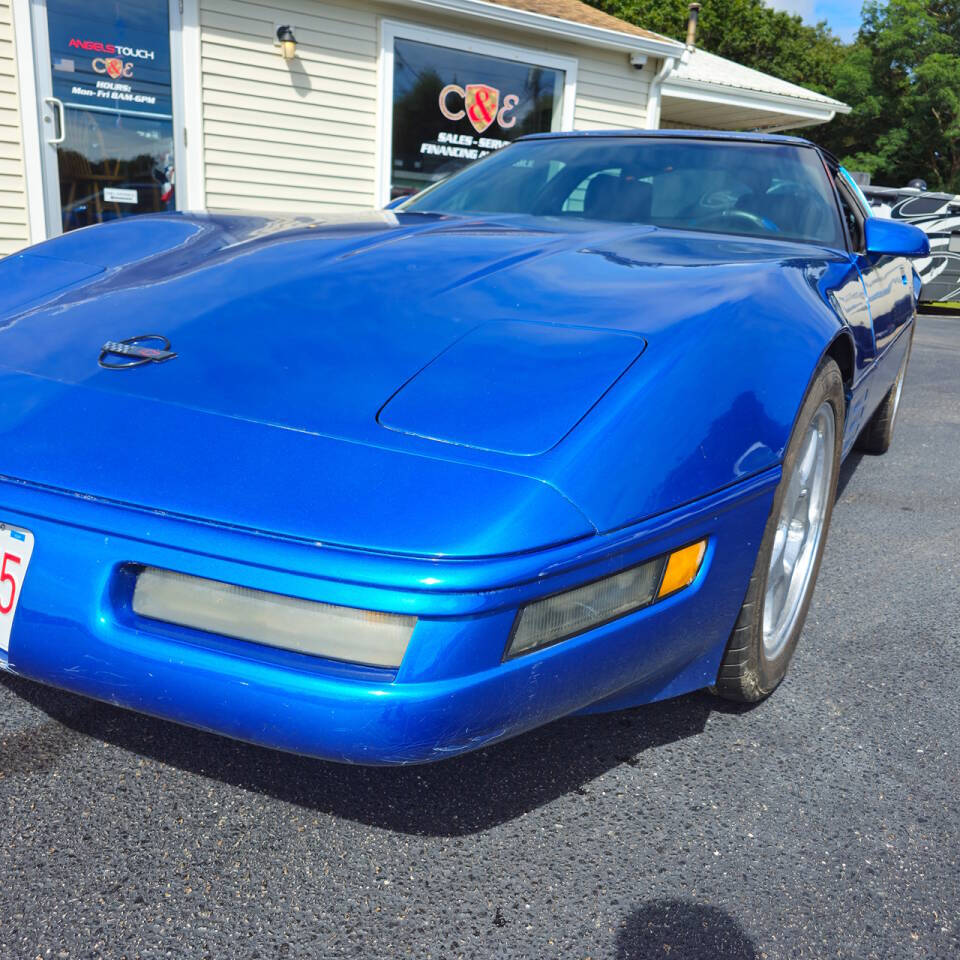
705,91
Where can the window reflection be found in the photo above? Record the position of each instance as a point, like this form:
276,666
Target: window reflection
451,107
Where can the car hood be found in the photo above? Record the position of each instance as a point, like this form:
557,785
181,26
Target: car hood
358,379
317,328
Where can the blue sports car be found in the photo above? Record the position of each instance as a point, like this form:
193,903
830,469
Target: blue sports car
559,434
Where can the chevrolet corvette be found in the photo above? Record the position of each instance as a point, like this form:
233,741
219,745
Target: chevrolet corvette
559,434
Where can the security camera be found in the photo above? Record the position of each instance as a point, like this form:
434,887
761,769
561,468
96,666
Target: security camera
638,60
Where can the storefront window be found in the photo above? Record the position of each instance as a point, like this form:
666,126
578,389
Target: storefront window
451,107
111,71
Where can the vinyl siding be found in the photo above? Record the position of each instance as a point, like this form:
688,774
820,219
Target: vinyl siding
302,136
611,94
14,232
297,136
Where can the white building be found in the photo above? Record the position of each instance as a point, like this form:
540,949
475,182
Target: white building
135,106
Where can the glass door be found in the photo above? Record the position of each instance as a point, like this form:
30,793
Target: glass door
106,109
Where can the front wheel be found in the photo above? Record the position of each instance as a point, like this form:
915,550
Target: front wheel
781,586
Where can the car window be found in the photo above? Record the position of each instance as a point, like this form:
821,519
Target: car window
774,190
858,194
574,202
924,206
853,214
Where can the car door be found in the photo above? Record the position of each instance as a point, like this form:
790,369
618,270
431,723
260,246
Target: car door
888,281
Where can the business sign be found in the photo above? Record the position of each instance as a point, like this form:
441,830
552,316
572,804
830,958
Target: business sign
451,107
109,57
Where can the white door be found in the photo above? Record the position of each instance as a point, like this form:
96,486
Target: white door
109,144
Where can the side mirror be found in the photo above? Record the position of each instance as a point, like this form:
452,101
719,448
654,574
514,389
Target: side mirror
895,239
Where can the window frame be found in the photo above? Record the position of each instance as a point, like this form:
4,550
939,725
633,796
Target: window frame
846,194
392,30
841,190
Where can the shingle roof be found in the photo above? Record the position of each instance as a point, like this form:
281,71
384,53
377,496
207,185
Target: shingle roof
699,66
577,12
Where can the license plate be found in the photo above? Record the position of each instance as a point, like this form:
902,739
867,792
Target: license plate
16,546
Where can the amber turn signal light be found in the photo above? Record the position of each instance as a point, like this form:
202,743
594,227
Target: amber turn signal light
682,568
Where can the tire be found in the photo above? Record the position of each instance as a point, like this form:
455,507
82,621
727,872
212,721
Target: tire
756,660
877,435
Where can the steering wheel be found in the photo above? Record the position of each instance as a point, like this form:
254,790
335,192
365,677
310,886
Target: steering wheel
744,216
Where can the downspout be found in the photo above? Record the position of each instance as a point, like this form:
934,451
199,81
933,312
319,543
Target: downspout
656,88
653,100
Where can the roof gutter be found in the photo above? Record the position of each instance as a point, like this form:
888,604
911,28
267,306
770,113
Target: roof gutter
797,124
541,23
753,99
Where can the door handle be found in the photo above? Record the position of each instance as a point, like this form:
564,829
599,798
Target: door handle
61,120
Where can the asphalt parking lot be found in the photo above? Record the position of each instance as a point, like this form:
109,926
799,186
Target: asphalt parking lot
822,823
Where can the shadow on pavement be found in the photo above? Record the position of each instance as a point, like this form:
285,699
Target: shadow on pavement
847,469
682,930
502,782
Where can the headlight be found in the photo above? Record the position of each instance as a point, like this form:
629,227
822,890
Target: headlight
305,626
574,611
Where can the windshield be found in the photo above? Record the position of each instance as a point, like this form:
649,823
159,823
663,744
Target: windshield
773,190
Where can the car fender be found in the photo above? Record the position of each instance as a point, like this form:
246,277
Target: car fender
711,402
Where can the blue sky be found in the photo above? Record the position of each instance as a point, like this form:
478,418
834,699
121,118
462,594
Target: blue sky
842,15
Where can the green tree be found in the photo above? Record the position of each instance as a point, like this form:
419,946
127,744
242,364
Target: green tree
902,78
748,32
901,75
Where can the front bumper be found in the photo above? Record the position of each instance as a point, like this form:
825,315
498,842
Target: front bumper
453,692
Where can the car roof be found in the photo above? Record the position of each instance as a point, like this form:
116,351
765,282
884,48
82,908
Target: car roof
672,134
